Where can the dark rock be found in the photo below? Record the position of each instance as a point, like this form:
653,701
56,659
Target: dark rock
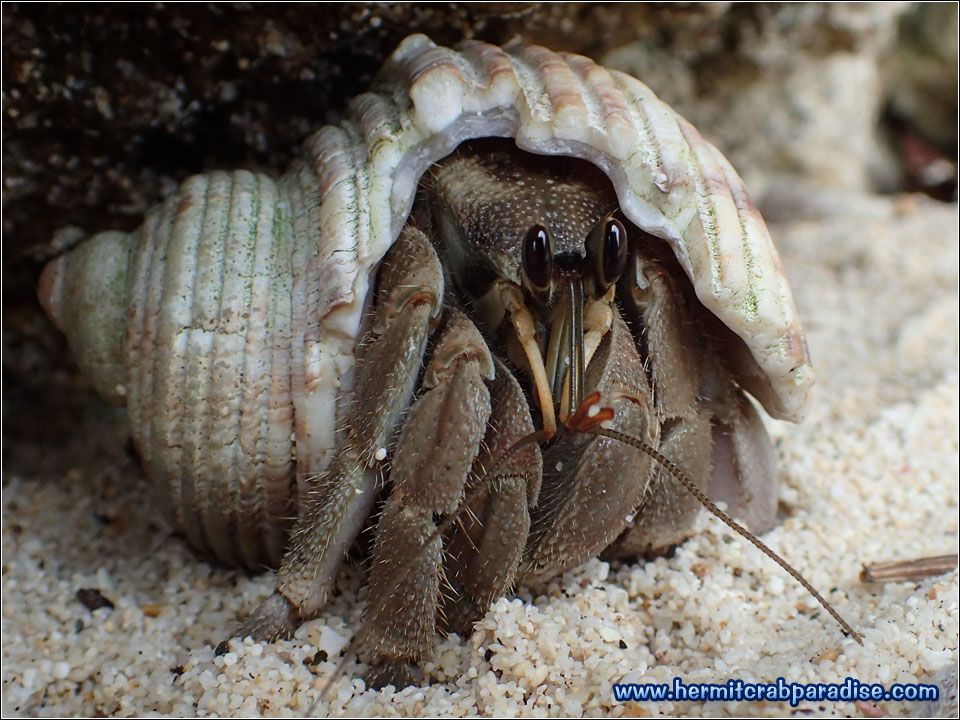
93,599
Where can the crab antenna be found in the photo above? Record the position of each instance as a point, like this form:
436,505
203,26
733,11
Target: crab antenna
729,521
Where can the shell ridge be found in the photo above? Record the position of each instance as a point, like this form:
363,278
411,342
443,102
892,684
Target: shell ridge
333,294
236,485
374,167
613,119
647,190
672,149
568,110
435,87
329,154
432,59
649,149
726,231
788,351
484,61
536,109
149,357
227,342
248,514
294,183
331,214
198,376
152,303
142,249
345,239
174,330
596,129
474,72
371,228
376,118
706,219
257,411
319,192
278,421
755,228
326,224
411,46
495,82
751,235
191,332
770,329
174,319
229,363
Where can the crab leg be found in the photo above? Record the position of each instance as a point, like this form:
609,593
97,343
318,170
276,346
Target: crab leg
411,284
707,425
485,549
675,359
440,440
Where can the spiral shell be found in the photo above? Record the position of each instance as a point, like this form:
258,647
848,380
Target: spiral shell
227,322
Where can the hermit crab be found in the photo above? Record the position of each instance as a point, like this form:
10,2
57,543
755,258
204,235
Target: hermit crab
408,326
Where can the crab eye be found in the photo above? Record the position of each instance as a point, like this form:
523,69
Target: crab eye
613,257
608,249
537,260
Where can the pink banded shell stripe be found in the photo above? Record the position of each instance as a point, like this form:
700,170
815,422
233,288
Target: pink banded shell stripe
670,181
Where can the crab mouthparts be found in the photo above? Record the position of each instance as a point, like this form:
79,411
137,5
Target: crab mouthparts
558,372
565,361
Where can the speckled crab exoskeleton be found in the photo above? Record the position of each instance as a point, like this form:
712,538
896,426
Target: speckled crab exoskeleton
380,332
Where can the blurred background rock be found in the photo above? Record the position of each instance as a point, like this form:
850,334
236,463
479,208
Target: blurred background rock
106,108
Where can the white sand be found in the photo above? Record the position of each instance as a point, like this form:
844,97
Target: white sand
872,475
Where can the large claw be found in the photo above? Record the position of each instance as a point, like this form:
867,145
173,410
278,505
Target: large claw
592,485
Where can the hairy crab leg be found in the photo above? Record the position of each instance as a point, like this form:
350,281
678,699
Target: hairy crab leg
411,282
486,544
676,357
440,440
